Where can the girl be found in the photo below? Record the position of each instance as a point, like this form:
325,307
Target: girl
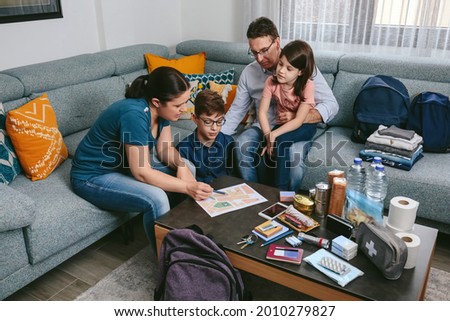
112,167
292,88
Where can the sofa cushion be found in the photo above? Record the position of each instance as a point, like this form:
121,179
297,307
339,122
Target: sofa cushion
423,183
128,78
194,64
179,133
61,220
78,106
38,142
10,88
17,211
13,253
73,140
220,51
189,125
428,69
63,72
130,58
9,163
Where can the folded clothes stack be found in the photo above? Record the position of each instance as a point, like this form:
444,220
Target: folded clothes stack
399,148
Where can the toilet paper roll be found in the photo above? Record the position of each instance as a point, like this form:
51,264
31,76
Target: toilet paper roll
402,213
412,243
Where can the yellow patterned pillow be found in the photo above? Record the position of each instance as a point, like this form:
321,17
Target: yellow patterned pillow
34,133
190,105
194,64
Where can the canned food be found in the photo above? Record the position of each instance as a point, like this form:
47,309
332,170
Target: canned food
312,193
303,204
321,199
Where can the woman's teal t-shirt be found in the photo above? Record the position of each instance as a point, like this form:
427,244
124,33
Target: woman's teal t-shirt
102,150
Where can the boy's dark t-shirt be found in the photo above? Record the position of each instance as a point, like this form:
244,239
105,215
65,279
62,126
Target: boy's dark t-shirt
210,162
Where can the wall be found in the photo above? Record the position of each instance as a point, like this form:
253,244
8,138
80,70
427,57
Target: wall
139,21
30,42
94,25
212,20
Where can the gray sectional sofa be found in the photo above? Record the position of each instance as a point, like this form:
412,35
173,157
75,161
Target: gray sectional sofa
43,223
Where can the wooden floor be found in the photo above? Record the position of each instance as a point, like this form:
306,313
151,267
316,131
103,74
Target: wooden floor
76,275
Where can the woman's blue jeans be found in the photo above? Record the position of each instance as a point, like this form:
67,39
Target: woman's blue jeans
120,192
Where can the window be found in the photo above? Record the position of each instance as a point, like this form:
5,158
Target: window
419,26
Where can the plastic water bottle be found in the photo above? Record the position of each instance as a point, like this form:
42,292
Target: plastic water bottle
371,168
377,184
356,176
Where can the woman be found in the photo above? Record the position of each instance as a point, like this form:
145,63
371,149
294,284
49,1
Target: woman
112,167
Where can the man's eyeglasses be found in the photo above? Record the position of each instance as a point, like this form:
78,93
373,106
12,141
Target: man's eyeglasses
263,52
210,123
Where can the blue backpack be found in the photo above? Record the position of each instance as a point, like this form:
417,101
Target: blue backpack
429,116
382,100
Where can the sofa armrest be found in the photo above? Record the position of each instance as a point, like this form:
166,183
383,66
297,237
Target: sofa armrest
16,209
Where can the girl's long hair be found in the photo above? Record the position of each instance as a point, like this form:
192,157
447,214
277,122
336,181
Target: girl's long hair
300,55
163,83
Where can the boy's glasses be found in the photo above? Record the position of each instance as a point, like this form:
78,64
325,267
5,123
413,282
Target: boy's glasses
209,122
263,52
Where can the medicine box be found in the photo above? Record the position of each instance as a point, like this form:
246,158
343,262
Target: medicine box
287,196
344,247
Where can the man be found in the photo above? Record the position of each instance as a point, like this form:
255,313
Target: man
264,46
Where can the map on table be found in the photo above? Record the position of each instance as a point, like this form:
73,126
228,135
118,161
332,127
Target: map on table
236,197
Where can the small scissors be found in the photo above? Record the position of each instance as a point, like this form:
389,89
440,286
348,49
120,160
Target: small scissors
248,240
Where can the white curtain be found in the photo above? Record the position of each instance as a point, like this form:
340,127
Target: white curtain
407,27
261,8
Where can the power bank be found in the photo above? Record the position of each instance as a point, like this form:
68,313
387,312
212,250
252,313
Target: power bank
339,226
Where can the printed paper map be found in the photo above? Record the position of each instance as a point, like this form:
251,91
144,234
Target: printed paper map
237,197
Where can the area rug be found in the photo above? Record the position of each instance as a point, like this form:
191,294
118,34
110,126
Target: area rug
135,279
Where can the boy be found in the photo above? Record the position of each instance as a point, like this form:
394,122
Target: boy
207,148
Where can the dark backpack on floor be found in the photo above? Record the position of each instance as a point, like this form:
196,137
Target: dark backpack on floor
429,116
192,267
382,100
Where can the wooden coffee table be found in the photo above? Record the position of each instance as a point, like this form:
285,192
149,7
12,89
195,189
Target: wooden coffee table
228,228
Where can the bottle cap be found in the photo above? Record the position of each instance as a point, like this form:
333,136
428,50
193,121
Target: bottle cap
357,161
377,159
379,167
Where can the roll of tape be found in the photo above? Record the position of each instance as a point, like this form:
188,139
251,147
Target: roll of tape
413,244
402,213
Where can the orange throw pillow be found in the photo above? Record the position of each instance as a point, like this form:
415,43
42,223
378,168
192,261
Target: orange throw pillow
194,64
34,133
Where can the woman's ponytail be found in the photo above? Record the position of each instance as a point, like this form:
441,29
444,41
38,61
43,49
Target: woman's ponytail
163,83
138,88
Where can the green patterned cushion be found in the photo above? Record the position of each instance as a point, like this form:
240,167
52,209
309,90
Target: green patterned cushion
9,164
223,78
201,81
